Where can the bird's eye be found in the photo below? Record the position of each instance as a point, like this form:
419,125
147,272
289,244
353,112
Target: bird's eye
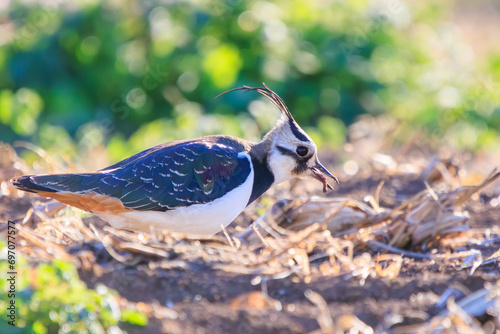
302,151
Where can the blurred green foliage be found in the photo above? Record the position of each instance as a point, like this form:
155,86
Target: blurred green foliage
129,74
51,298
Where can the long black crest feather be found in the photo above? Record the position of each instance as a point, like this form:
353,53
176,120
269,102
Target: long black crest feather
267,92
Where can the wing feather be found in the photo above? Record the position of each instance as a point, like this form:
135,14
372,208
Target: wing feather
161,178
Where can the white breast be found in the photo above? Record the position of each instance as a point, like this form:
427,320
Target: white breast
198,219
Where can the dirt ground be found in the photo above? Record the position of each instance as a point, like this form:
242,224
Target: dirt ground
213,286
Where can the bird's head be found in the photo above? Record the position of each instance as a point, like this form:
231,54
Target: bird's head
291,152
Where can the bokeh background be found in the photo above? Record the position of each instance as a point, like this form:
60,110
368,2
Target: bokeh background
114,77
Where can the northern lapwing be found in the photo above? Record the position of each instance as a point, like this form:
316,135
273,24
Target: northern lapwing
192,186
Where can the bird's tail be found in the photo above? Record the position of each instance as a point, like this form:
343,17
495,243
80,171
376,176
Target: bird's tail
73,189
49,183
28,183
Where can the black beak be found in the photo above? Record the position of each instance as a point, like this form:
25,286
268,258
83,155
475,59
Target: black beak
318,170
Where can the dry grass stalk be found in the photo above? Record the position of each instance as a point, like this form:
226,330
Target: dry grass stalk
324,319
459,317
425,216
341,324
45,242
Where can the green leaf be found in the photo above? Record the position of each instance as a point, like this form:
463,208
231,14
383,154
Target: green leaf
134,317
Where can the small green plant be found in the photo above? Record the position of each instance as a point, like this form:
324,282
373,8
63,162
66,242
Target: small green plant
51,298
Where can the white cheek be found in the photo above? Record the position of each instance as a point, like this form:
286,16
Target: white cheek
281,166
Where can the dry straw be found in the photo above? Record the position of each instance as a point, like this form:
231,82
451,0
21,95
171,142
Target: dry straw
300,240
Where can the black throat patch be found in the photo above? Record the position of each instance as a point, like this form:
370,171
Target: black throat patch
263,178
